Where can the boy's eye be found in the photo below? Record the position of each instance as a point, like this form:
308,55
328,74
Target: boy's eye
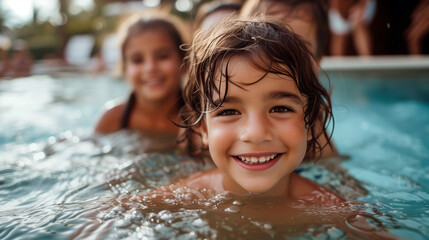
280,109
228,112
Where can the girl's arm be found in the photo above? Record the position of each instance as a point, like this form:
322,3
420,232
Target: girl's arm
110,120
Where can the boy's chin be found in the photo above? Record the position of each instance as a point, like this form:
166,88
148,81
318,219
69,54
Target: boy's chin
261,191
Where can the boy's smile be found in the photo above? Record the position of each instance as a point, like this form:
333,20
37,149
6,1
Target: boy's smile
258,163
257,159
258,136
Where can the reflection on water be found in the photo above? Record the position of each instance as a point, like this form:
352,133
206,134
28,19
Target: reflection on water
100,187
59,181
38,107
51,186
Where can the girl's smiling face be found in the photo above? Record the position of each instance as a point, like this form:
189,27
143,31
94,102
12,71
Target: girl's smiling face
258,136
153,65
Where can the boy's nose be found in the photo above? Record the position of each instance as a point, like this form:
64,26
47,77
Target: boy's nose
256,129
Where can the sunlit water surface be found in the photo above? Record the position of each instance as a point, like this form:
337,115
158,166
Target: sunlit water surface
59,181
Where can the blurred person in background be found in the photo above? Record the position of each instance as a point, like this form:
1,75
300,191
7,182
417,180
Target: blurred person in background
212,13
418,29
351,19
152,64
21,62
4,58
307,18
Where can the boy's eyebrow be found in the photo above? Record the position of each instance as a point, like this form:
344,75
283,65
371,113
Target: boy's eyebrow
228,99
283,94
272,95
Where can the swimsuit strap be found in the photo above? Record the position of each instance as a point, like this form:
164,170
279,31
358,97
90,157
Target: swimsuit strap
125,120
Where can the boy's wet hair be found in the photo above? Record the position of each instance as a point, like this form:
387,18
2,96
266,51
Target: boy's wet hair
151,21
269,46
318,9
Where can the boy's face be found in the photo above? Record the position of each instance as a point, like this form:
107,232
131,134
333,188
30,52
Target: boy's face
258,136
152,65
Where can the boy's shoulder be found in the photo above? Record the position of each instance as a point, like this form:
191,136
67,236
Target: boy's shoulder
209,179
303,188
299,187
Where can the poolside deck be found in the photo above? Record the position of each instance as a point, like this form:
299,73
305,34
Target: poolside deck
399,65
376,65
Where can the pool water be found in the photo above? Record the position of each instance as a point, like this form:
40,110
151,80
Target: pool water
383,124
59,181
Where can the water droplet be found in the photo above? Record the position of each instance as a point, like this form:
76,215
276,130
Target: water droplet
268,226
33,147
24,162
166,169
123,223
335,233
105,216
232,209
256,223
238,203
75,139
106,148
117,209
199,223
165,215
135,216
39,156
159,227
363,222
52,140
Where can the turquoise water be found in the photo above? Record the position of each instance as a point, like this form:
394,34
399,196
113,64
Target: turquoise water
383,124
58,181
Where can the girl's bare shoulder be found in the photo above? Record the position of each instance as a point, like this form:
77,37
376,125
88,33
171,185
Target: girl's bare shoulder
110,120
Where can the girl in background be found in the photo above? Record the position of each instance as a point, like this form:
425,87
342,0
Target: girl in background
152,64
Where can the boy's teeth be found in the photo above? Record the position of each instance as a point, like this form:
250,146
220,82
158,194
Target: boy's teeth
256,160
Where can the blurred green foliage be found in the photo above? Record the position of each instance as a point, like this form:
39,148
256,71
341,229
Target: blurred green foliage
46,39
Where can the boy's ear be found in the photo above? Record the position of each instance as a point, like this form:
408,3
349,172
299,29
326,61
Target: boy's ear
309,134
204,134
317,129
309,131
